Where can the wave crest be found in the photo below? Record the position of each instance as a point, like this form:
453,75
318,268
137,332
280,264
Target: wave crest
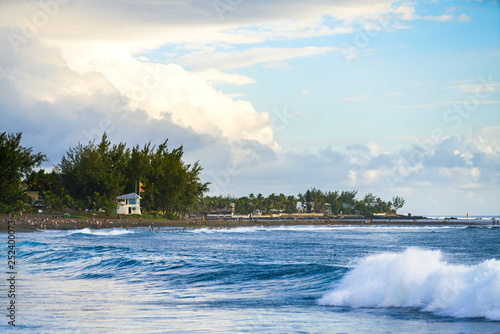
420,278
106,232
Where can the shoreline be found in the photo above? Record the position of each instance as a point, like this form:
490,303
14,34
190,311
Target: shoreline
58,224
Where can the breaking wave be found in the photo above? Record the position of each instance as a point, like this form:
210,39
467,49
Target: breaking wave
420,279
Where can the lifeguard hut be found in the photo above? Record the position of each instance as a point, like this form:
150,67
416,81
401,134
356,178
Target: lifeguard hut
129,204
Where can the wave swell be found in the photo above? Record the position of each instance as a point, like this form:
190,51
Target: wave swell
421,279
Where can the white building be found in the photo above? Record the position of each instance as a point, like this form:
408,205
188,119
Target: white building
129,204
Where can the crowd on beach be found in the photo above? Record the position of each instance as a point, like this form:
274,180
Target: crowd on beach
151,228
65,222
56,222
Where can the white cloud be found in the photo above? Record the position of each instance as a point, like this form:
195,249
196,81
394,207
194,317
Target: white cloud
237,59
463,18
98,76
216,76
407,12
448,18
439,18
468,176
374,149
420,178
482,88
147,25
352,178
365,178
483,140
162,91
446,103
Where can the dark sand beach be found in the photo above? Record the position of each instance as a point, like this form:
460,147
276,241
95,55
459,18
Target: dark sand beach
32,223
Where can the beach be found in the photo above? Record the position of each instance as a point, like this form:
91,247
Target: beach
34,222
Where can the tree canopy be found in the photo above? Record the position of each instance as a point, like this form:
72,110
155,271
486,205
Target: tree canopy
92,176
95,174
16,163
311,201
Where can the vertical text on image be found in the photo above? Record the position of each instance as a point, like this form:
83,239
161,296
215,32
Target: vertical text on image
11,273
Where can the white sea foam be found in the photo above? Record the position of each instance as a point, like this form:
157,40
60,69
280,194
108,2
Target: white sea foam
421,279
87,230
111,232
241,229
324,228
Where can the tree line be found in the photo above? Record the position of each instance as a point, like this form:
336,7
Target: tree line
311,201
90,177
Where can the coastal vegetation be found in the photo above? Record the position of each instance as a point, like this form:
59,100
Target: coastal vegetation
16,164
95,174
90,177
311,201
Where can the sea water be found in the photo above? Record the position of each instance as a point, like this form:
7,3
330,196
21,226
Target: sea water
299,279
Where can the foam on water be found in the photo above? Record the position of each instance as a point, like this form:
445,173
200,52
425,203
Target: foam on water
99,232
240,229
421,279
325,228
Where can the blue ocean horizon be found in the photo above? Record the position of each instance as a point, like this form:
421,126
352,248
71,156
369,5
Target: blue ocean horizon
256,279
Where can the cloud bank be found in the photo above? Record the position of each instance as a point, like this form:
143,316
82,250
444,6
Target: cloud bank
72,70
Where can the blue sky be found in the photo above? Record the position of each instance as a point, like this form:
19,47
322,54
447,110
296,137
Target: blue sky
397,98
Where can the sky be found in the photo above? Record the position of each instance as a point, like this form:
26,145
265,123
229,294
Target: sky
394,98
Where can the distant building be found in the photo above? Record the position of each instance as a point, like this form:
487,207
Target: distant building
257,213
129,204
34,195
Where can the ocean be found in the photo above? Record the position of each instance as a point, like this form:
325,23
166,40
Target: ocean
288,279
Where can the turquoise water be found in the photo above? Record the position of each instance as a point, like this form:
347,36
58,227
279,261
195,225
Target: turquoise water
301,279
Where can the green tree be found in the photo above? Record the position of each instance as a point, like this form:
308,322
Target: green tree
398,203
369,198
291,204
318,200
171,185
348,197
16,163
95,173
